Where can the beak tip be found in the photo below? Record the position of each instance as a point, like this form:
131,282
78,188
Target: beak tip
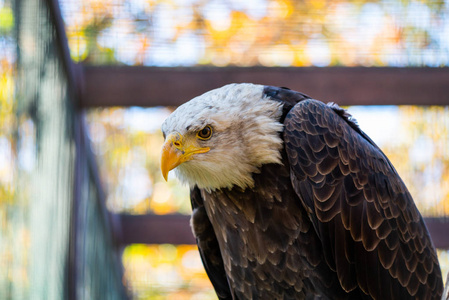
164,170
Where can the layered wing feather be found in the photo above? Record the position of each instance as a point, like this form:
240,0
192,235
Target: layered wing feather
371,232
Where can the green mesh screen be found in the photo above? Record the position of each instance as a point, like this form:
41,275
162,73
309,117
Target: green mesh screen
55,239
97,266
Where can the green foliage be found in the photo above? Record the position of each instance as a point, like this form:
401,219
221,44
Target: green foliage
6,20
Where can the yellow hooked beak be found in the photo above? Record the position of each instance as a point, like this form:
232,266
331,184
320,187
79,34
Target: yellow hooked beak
175,151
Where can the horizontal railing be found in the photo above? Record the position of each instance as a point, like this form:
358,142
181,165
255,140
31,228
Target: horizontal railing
107,86
175,229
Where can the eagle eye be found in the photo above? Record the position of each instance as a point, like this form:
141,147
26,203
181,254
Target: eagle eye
205,133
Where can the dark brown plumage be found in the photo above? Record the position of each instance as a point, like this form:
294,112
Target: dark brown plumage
334,221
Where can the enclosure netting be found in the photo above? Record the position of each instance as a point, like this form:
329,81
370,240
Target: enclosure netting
55,241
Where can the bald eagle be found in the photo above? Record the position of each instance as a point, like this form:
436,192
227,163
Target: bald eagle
292,200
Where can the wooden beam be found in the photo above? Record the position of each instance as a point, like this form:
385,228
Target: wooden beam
152,86
438,229
155,229
175,229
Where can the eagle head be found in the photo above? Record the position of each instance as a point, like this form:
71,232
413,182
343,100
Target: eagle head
219,139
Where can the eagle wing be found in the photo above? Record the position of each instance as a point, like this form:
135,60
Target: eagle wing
372,234
208,246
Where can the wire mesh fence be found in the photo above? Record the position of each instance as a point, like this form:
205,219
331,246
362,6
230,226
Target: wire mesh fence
55,240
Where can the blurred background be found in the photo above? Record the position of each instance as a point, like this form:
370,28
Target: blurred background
76,176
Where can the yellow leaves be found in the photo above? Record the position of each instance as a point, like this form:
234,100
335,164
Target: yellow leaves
7,122
78,45
281,9
6,91
352,32
93,10
166,272
221,31
278,55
